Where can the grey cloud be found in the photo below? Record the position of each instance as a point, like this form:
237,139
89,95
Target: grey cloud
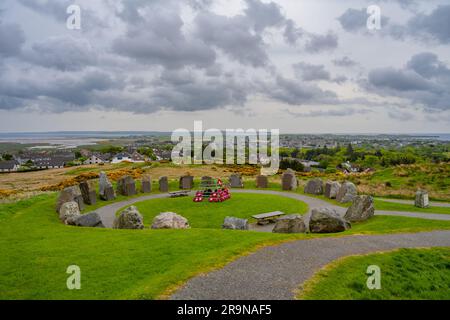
399,80
344,62
318,43
311,72
354,20
263,15
11,39
436,25
342,112
291,32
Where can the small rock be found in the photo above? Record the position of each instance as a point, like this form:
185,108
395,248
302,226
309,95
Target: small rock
347,193
289,180
327,220
314,186
146,184
232,223
236,181
69,212
290,224
91,220
163,184
422,199
106,190
186,182
68,195
262,182
126,186
170,220
130,218
88,192
361,209
332,189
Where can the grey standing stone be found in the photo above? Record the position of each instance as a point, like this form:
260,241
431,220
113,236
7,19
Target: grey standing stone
232,223
91,220
163,184
290,224
126,186
170,220
88,192
130,218
105,187
262,182
332,189
236,181
69,212
347,192
70,194
362,209
422,199
327,220
146,184
289,180
186,182
314,186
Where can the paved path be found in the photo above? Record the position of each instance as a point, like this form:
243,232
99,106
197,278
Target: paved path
274,273
411,202
107,213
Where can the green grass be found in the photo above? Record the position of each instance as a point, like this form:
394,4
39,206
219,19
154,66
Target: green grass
211,215
391,206
405,274
136,264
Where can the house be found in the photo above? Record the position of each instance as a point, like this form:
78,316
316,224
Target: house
96,159
137,157
9,166
50,163
121,157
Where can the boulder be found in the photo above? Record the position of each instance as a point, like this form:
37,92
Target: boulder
91,220
327,220
314,186
332,189
126,186
232,223
289,180
105,187
186,182
88,192
163,184
347,192
130,218
68,195
170,220
290,224
422,199
262,182
146,184
69,212
361,209
236,181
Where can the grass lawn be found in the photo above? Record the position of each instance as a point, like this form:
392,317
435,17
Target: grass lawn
390,206
142,264
405,274
211,215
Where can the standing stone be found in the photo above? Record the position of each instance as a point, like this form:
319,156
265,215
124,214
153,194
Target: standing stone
327,220
130,218
146,184
186,182
170,220
236,181
262,182
290,224
69,212
88,192
163,184
106,189
332,189
232,223
422,199
361,209
289,180
347,192
70,194
91,220
314,186
126,186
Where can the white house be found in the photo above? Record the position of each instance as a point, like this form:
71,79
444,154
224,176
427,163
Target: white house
95,159
9,166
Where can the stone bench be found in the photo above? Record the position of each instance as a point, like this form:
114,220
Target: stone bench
266,218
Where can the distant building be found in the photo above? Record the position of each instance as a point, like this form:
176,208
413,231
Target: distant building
9,166
96,159
51,163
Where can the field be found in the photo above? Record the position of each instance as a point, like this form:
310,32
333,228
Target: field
136,264
405,274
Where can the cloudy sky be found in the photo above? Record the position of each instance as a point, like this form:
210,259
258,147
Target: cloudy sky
301,66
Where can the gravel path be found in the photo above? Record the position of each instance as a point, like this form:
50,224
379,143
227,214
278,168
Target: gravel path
107,213
274,273
411,202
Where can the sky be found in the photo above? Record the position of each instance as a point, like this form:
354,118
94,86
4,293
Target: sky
301,66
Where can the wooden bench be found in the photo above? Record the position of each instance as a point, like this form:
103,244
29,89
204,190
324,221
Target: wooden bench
266,218
179,194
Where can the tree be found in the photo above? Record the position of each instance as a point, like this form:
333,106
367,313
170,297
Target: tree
7,157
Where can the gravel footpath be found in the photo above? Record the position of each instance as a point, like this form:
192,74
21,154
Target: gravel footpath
274,273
